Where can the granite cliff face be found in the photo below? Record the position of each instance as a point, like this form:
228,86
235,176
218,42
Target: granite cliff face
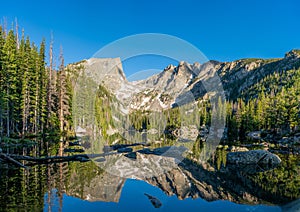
107,71
164,90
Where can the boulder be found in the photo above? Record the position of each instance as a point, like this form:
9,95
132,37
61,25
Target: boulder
256,135
107,149
253,157
238,149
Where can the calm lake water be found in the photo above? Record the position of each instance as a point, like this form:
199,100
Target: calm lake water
119,183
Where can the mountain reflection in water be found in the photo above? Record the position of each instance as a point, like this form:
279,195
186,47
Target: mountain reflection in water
119,182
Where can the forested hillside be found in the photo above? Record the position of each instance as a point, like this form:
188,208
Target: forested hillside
34,96
272,104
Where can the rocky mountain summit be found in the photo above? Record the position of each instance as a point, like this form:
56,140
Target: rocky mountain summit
164,90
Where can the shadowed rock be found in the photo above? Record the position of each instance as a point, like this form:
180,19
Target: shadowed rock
154,201
292,206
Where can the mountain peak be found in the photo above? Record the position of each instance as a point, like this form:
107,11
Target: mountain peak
293,54
107,71
170,67
160,91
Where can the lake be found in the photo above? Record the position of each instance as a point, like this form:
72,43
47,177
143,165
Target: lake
121,182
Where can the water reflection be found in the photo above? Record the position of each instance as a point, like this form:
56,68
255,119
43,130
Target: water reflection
120,181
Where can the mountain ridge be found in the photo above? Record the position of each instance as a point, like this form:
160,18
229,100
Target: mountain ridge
161,91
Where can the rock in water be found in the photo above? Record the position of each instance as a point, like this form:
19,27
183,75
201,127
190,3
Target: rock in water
124,150
253,157
154,201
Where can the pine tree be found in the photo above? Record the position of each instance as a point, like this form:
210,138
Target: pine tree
10,81
22,75
42,87
2,81
260,111
29,95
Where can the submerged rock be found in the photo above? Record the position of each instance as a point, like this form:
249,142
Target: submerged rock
253,157
125,149
107,149
154,201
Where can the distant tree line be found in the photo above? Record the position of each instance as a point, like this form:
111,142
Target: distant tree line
272,105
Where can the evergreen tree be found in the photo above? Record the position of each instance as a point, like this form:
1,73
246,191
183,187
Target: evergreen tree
10,81
2,81
42,87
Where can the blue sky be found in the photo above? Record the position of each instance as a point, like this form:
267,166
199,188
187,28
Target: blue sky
223,30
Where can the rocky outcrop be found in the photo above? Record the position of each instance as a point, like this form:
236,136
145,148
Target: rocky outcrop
253,157
106,70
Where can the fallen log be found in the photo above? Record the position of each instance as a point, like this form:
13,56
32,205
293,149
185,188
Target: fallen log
13,161
29,158
70,157
15,158
56,159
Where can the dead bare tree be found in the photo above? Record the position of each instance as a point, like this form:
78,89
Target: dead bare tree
17,33
49,87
